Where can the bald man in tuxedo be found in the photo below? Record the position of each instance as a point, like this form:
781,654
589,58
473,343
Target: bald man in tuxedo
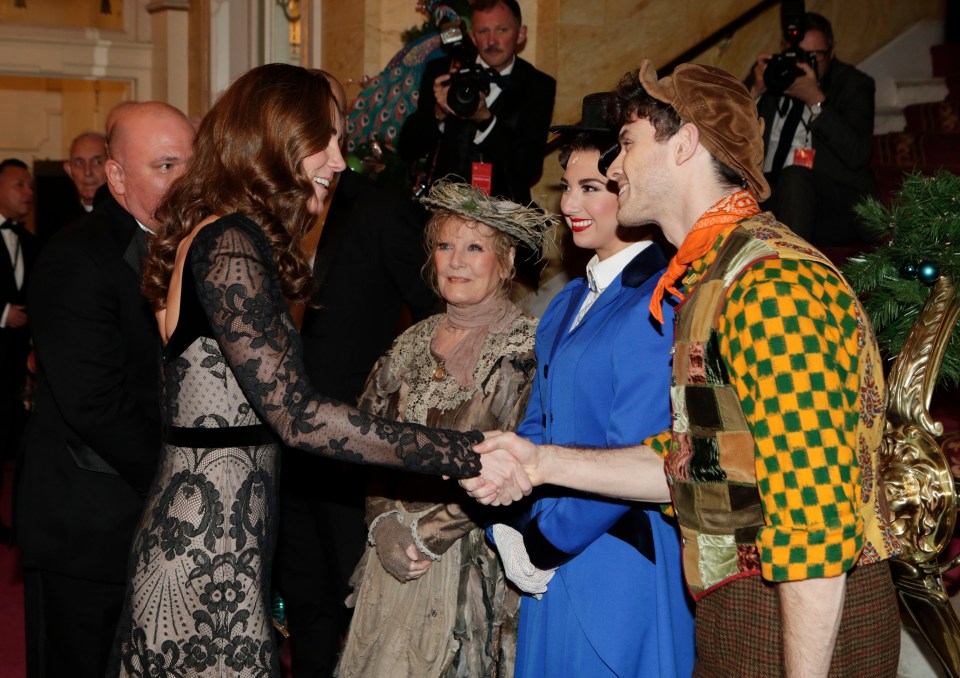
92,446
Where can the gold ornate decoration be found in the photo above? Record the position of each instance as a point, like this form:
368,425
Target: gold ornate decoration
914,374
919,486
290,9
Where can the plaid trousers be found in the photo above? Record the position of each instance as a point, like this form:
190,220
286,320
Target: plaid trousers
738,629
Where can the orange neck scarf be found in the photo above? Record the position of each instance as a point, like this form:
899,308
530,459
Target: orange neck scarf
699,241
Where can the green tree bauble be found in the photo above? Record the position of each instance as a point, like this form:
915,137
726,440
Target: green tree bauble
909,271
928,273
919,244
354,163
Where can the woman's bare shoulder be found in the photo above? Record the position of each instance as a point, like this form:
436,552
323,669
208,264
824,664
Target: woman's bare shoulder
167,318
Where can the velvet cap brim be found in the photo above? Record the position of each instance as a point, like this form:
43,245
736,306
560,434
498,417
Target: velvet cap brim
722,110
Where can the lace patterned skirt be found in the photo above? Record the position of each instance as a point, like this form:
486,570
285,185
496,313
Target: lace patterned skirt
198,596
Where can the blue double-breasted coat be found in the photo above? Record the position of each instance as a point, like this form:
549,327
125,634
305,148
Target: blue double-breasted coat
617,604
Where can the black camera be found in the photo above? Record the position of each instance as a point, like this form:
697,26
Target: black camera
782,69
469,80
467,85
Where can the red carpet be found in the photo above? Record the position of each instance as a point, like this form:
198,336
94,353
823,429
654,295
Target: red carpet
12,656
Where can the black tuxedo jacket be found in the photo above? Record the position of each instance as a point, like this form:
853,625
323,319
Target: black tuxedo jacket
842,134
368,267
93,442
58,215
9,293
15,339
514,146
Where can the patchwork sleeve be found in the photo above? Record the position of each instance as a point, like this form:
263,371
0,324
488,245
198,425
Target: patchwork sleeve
660,443
789,335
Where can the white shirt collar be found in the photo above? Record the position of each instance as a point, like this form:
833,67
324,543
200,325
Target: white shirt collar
604,272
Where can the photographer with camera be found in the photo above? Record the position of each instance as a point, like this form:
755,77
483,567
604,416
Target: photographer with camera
483,111
818,139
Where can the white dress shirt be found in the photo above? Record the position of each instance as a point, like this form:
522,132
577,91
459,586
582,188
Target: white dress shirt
12,242
495,91
601,273
801,138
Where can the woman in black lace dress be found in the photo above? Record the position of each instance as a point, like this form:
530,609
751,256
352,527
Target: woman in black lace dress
219,274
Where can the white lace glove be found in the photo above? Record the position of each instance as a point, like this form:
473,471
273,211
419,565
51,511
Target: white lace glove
516,563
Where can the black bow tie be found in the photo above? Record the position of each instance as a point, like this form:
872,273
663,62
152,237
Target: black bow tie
12,225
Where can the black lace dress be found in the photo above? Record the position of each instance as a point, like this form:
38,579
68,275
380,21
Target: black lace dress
233,389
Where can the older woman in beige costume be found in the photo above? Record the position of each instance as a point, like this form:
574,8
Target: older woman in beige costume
432,599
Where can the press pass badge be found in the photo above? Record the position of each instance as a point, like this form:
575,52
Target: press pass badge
481,174
804,157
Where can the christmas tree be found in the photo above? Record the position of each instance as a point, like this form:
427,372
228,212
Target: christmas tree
920,243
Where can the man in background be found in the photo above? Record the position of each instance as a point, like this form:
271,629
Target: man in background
508,131
85,167
94,439
818,140
16,261
367,271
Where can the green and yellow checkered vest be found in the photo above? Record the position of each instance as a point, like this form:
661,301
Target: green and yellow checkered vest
711,462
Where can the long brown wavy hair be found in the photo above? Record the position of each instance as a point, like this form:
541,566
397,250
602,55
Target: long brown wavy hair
247,158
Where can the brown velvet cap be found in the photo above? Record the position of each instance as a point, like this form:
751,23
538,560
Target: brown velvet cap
723,111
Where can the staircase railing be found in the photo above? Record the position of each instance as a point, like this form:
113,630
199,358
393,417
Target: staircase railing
721,33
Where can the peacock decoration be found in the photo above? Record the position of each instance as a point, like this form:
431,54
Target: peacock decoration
376,117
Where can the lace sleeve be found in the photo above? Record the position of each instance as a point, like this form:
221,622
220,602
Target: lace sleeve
238,287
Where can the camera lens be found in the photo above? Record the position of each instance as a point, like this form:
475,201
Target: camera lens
780,73
463,99
466,87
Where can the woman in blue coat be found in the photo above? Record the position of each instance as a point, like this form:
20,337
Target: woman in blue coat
607,593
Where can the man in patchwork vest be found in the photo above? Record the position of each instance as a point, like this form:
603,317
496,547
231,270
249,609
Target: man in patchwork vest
777,396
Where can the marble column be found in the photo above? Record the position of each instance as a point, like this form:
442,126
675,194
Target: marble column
169,26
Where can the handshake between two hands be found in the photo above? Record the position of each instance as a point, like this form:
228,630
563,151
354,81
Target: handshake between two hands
511,466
